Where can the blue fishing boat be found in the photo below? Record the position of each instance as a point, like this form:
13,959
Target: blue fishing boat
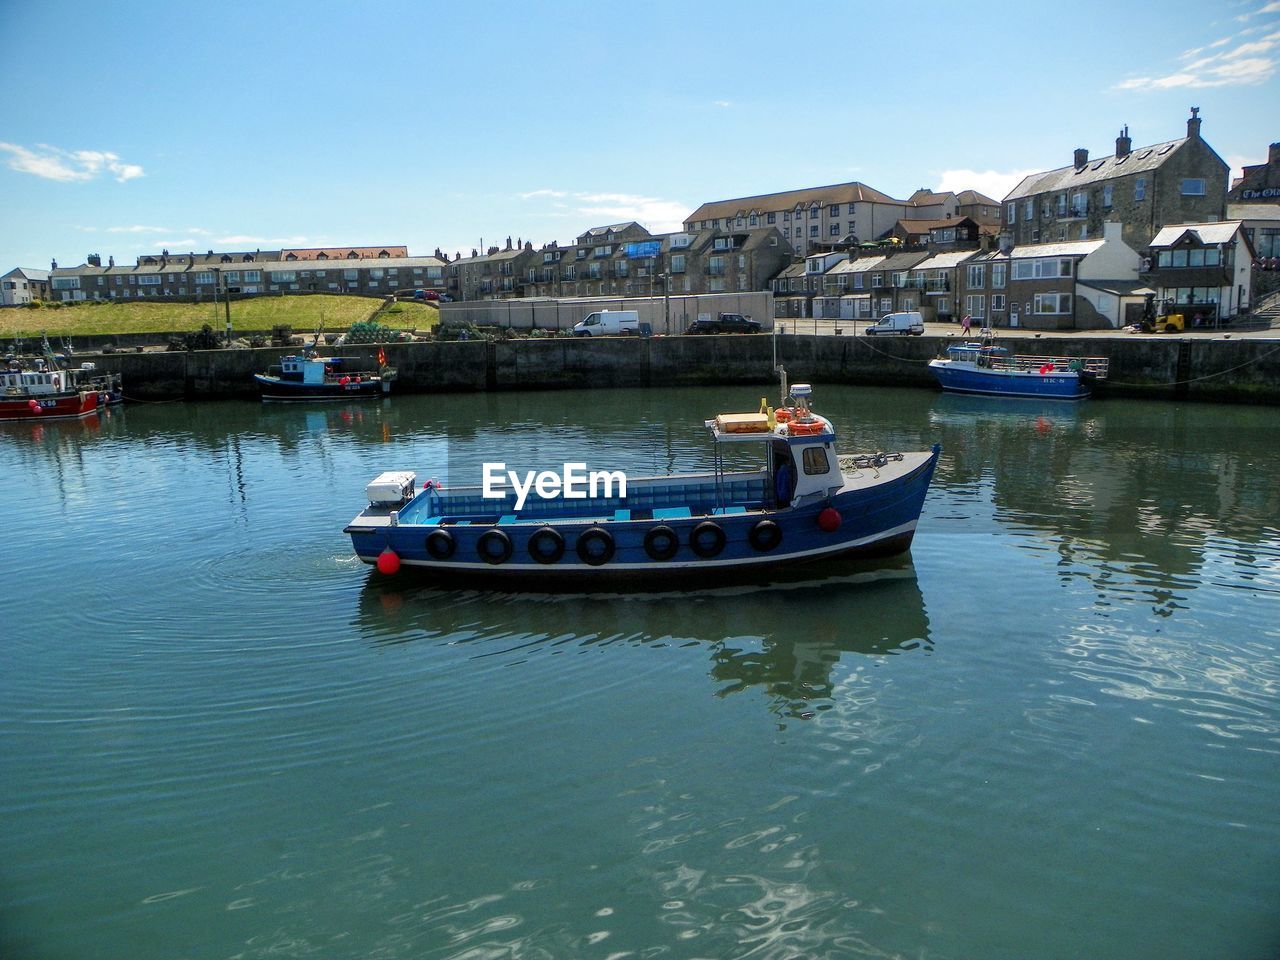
984,368
805,504
312,377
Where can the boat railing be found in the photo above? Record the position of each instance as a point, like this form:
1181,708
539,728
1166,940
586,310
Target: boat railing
1095,366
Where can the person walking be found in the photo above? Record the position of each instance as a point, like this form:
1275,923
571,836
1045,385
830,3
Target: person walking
965,323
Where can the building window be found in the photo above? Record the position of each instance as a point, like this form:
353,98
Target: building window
976,306
1106,196
976,277
1053,303
835,210
677,263
1030,211
1193,187
206,278
1140,188
813,230
997,303
835,230
1013,213
771,218
813,212
998,274
283,276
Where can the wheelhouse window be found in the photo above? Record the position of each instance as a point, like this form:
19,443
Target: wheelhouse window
815,461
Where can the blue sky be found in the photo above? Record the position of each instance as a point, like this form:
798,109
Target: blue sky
128,128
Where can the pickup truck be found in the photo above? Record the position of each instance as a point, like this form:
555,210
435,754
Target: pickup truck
725,323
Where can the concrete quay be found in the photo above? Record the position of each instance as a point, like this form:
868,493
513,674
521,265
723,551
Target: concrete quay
1238,369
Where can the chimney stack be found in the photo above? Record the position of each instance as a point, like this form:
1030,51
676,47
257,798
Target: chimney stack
94,260
111,261
1082,158
53,265
508,243
1124,146
1193,124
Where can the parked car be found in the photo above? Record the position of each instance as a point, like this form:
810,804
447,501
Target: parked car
426,295
725,323
897,325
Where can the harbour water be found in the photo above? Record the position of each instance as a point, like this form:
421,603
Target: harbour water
1052,731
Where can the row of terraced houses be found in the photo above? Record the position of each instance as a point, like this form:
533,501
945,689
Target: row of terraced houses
1081,246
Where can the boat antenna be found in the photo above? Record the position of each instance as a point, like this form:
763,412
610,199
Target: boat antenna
47,351
779,369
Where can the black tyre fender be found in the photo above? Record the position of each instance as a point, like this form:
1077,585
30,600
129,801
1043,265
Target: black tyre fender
765,536
661,543
707,539
587,552
494,546
551,537
440,544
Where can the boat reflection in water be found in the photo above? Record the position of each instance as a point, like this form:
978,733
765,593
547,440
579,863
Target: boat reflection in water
784,641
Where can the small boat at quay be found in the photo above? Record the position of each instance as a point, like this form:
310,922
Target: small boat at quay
804,505
311,377
45,392
984,368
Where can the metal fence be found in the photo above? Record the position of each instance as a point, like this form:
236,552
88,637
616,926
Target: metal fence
663,314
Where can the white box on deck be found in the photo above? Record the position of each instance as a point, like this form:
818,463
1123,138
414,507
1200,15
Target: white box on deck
392,487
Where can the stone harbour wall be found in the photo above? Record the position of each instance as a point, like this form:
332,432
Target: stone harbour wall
1244,371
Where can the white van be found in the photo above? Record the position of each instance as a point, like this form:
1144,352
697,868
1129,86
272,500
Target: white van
608,322
897,325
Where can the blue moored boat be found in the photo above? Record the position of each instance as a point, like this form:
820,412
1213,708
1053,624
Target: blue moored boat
805,504
984,368
312,377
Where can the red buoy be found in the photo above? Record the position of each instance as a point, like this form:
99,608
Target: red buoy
344,381
34,405
388,561
829,520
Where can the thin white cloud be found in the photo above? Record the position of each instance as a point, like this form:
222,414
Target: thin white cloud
996,184
542,193
721,103
68,166
1244,64
658,215
1273,7
138,228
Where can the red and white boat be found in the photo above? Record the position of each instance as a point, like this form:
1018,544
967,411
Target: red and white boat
44,393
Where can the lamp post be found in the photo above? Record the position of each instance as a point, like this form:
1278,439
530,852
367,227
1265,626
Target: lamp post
666,301
226,300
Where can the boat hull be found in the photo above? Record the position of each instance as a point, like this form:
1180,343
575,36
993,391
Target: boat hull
275,389
58,406
875,520
967,378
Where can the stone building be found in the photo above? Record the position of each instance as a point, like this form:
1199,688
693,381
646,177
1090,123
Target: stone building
1072,285
1201,270
807,218
22,285
187,277
643,264
1179,181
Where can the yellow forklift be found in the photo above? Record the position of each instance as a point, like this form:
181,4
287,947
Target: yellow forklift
1162,318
